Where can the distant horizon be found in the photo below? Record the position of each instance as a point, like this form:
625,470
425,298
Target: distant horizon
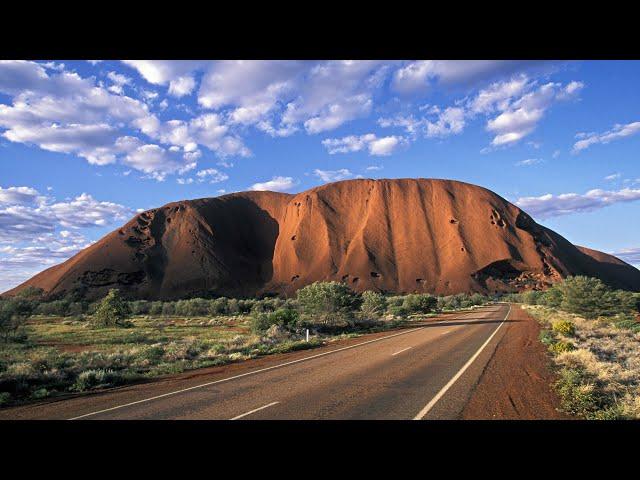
84,145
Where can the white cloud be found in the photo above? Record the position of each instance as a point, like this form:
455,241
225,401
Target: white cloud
528,162
332,175
420,75
612,177
19,195
371,168
616,133
353,143
182,86
118,78
21,221
498,95
567,203
163,72
278,96
157,162
451,121
276,184
212,175
521,117
629,255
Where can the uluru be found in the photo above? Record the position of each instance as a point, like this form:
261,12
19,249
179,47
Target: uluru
395,236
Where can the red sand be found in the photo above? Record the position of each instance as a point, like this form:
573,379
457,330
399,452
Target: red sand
405,235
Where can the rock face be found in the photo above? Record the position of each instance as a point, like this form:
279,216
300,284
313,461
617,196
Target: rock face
406,235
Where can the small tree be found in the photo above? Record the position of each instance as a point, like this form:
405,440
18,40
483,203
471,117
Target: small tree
112,310
13,315
373,304
420,303
327,302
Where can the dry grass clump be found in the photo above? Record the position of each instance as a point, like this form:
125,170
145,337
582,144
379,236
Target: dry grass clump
600,377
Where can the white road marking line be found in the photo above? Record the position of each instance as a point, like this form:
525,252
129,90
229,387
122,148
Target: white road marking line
444,333
254,411
253,372
453,380
400,351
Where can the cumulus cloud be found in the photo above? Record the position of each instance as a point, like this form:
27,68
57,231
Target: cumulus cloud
332,175
521,117
211,175
549,205
20,262
451,121
37,231
618,132
276,184
418,76
182,86
19,195
353,143
63,112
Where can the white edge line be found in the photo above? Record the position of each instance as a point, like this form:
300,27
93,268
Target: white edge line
453,380
253,372
400,351
254,410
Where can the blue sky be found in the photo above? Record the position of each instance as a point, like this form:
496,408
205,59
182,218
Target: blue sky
85,144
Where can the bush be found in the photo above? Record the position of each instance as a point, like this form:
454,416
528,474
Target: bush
112,311
552,297
373,304
140,307
420,303
93,378
577,392
14,313
327,302
564,327
5,398
283,317
591,298
561,347
547,337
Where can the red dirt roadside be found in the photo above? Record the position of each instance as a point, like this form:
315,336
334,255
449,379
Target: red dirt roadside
516,383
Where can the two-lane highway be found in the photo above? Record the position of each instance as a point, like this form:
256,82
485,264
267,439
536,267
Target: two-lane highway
426,372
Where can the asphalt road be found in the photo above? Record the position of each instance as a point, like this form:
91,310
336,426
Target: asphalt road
425,372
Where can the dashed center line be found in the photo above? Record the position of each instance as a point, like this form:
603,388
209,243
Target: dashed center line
400,351
254,410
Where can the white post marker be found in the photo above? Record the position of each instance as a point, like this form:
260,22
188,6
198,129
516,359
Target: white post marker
307,335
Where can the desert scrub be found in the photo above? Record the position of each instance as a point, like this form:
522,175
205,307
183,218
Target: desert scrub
600,376
564,327
561,346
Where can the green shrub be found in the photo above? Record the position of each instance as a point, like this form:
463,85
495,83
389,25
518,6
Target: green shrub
561,346
547,337
5,398
373,304
564,327
283,317
93,378
577,392
628,322
40,393
552,297
14,313
112,311
420,303
327,303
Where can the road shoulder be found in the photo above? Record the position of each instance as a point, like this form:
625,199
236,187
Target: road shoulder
516,383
